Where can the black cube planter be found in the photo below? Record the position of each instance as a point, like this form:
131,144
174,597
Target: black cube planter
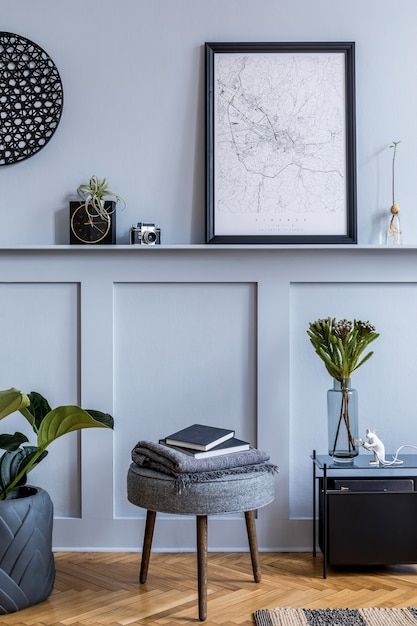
27,566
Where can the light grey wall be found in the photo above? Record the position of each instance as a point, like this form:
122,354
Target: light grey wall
132,72
167,336
133,81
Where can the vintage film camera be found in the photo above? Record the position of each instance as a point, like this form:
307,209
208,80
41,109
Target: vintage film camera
145,234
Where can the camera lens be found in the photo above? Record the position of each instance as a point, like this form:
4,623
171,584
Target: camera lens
150,236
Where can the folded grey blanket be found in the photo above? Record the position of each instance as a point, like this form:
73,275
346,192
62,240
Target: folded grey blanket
188,469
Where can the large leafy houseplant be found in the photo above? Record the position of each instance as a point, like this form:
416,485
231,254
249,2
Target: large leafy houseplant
18,459
27,567
341,346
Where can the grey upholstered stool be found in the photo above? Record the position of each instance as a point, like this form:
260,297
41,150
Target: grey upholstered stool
234,493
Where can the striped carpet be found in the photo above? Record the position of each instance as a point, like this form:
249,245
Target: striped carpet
336,617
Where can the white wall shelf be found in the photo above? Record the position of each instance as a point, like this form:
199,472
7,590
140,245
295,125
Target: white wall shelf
211,247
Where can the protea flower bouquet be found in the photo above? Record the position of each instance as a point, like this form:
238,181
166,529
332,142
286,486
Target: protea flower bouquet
341,346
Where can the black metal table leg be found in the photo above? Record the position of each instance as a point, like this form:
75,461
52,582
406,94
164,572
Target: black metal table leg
325,521
314,505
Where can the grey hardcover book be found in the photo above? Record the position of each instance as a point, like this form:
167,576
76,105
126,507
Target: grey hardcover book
227,447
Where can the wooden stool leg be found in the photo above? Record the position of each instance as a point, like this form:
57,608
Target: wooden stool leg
202,566
147,545
253,544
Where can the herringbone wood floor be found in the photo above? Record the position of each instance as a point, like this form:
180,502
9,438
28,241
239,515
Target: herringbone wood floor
102,589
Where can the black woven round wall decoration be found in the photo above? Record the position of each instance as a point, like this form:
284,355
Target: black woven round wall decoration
31,98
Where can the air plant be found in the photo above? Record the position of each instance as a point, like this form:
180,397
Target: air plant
95,195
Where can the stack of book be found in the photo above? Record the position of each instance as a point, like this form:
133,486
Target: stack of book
201,441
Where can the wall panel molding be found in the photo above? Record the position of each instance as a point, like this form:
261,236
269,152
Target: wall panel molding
104,301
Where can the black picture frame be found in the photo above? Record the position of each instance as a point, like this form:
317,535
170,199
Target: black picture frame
280,143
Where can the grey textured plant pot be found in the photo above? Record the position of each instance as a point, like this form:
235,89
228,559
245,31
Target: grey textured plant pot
27,566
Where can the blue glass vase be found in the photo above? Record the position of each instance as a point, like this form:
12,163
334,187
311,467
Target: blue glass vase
342,414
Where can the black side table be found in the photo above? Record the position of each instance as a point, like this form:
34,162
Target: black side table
367,515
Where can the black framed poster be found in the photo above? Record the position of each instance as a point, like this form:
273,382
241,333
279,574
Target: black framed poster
280,143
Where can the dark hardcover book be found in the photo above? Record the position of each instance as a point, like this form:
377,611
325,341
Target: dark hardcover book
227,447
199,437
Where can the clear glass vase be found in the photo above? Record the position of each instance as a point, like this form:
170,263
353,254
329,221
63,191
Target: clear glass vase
342,415
394,232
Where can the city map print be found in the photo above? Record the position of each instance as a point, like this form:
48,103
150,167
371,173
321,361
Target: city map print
280,143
